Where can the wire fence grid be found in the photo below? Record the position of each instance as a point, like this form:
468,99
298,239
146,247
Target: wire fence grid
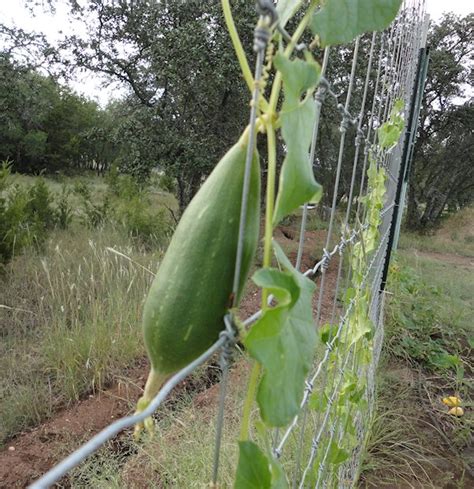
306,443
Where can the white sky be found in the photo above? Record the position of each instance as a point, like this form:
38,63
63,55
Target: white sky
14,12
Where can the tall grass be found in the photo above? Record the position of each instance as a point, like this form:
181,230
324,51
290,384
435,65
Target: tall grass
455,236
69,320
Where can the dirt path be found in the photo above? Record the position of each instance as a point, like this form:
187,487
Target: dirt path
30,454
450,258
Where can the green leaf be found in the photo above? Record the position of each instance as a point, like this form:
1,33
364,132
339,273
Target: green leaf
327,332
282,285
286,9
298,76
358,323
318,402
390,131
337,455
297,183
341,21
253,470
444,360
350,294
279,480
283,341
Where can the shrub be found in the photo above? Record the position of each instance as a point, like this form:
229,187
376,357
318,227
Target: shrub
40,204
167,183
64,211
25,215
140,221
93,214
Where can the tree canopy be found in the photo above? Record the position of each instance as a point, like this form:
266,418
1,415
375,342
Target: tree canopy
442,176
186,99
43,125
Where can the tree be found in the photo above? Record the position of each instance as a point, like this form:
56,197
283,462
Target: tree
43,126
442,176
185,87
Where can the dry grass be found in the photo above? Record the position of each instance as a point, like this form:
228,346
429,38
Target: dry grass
456,235
70,320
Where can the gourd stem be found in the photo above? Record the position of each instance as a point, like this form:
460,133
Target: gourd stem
267,258
239,50
270,204
247,411
276,87
153,384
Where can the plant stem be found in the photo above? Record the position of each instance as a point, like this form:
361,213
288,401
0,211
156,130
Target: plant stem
247,412
270,203
287,53
269,119
267,257
239,51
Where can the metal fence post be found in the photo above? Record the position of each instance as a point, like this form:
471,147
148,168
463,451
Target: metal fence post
415,105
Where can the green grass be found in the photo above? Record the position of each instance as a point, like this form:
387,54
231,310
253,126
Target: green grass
456,283
396,450
180,454
430,312
70,310
427,356
456,235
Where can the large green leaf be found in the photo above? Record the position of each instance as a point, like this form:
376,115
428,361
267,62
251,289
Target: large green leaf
341,21
297,182
253,470
283,341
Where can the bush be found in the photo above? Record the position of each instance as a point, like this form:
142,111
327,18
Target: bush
132,209
167,183
25,215
40,204
93,213
64,211
150,227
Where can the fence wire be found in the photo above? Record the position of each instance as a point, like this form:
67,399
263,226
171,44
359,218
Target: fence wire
305,444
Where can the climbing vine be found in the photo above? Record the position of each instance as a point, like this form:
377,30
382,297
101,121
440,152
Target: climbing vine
283,340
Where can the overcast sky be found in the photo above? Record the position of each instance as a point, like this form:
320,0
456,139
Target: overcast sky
13,12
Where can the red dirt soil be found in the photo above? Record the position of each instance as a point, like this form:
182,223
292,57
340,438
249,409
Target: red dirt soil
31,454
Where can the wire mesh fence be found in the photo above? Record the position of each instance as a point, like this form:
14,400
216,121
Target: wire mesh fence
324,443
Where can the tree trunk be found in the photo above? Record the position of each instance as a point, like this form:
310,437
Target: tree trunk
413,213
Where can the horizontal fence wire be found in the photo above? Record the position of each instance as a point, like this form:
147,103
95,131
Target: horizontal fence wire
390,75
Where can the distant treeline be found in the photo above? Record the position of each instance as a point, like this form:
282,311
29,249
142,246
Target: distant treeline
185,94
